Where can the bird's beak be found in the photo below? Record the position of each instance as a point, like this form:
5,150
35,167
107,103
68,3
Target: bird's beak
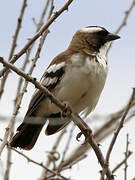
111,37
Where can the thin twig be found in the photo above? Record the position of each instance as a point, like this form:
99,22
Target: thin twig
19,98
8,165
38,26
6,135
35,162
120,125
69,165
124,21
37,35
127,13
41,21
103,132
15,37
66,148
116,134
122,162
54,148
126,154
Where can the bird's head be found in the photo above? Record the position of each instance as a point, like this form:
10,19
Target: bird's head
92,39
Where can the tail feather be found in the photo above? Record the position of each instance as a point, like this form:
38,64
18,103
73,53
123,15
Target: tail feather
26,136
55,125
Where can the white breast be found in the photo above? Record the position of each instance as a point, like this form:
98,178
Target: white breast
82,84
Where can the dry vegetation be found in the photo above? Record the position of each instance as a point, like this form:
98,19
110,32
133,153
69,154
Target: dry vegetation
113,124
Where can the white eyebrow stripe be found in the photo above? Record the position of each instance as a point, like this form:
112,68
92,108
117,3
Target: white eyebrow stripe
55,67
91,29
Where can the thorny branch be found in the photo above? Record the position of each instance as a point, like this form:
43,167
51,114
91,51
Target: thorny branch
35,82
54,148
80,151
124,21
38,26
116,134
19,95
127,13
126,155
87,132
14,44
66,148
104,131
75,118
35,162
37,35
122,162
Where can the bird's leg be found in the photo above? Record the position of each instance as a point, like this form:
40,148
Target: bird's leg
68,109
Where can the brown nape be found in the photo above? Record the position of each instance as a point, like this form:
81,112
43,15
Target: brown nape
84,42
26,137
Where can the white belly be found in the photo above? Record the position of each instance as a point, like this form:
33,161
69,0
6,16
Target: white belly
83,84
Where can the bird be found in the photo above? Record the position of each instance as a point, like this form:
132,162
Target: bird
77,76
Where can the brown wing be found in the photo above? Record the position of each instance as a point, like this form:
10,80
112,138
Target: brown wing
50,80
47,78
35,101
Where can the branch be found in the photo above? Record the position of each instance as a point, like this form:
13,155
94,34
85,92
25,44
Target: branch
38,26
122,162
41,21
18,27
103,131
75,118
15,37
124,21
126,155
18,98
37,35
19,95
34,81
66,148
87,132
116,134
35,162
55,146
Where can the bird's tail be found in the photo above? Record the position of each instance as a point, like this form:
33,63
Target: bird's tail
26,136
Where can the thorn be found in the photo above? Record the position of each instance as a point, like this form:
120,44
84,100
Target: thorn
34,79
99,144
7,128
56,13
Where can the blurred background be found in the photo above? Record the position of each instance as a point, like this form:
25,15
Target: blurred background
118,88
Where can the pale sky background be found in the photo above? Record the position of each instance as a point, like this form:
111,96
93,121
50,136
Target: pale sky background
121,60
